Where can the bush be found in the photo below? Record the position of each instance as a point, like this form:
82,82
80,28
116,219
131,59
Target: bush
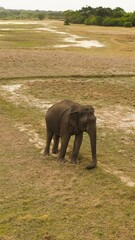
66,22
110,21
127,24
94,20
90,21
41,16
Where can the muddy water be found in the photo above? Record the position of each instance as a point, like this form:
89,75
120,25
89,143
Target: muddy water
72,40
79,43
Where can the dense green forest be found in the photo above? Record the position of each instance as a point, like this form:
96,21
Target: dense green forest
101,16
87,15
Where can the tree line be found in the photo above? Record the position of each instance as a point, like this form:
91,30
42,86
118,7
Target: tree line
10,14
101,16
87,15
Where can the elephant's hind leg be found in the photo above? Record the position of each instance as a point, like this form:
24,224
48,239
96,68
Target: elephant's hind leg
56,144
48,142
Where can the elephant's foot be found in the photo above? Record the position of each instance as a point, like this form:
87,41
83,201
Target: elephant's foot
74,160
55,151
61,160
91,165
46,153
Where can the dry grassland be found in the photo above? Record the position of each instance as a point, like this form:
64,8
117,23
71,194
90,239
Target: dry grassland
41,199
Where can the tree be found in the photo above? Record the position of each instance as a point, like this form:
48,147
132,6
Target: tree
132,18
110,21
127,24
118,12
41,16
103,12
66,21
87,12
94,20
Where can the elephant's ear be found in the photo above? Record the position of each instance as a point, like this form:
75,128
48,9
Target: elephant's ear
73,118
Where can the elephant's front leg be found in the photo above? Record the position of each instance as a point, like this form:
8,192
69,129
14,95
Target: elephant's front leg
56,144
76,147
64,143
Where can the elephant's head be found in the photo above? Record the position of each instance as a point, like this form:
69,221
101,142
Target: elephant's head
84,120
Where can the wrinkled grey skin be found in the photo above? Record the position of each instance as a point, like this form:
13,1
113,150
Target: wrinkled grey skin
68,118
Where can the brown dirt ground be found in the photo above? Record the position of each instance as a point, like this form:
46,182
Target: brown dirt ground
22,63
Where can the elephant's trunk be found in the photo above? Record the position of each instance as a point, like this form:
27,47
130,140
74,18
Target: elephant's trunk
92,134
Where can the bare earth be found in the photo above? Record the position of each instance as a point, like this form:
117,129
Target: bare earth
27,63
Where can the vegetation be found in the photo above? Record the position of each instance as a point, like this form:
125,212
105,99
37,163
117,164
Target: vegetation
101,16
87,15
9,14
66,22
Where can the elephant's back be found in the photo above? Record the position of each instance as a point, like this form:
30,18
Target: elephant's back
59,107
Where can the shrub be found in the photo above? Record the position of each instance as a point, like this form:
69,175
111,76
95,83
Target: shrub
41,16
66,22
127,24
110,21
94,20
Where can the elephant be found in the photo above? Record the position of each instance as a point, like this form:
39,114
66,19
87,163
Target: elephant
67,118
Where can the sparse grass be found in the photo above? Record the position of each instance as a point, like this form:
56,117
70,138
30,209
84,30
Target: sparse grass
100,92
41,199
27,39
